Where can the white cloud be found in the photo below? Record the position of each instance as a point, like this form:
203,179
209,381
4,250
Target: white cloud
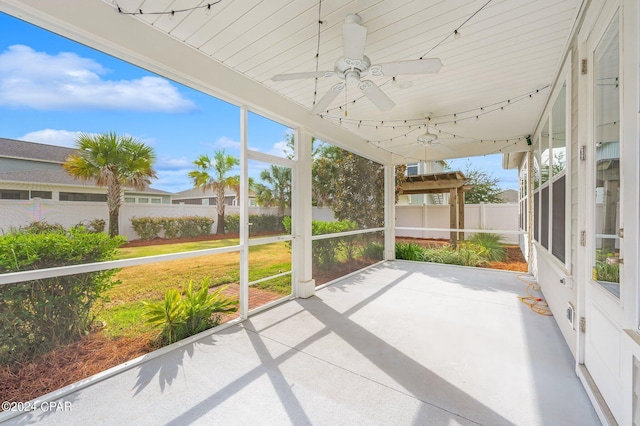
166,162
67,81
52,137
172,180
280,149
226,142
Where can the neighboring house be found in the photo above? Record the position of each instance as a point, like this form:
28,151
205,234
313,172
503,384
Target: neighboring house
32,170
509,196
208,197
422,168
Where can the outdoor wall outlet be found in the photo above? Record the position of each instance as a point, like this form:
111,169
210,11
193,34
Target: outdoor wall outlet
570,315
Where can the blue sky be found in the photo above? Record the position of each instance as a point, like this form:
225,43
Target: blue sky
52,88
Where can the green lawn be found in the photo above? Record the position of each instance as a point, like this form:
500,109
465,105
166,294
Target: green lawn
123,312
154,250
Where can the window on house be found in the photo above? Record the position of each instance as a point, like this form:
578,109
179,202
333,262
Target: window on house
13,194
143,200
412,169
156,201
81,196
45,195
549,179
129,199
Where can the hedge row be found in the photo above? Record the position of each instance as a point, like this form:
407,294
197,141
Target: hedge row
260,223
148,228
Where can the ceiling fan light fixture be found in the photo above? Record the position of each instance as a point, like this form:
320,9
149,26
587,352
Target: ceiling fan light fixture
402,84
427,137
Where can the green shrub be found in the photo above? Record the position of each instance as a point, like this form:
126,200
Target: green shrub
38,315
93,225
170,226
261,223
373,251
603,271
286,222
39,227
147,228
232,224
465,255
493,243
325,252
179,317
410,251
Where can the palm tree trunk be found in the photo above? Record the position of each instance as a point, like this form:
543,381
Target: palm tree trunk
220,207
220,228
114,195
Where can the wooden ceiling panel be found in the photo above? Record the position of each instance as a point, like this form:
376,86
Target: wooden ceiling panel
507,48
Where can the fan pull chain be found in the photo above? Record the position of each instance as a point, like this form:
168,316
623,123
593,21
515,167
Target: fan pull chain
346,104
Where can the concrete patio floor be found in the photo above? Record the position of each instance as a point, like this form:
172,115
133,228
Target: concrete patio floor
400,343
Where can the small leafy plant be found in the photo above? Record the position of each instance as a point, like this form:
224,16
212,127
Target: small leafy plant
492,243
180,317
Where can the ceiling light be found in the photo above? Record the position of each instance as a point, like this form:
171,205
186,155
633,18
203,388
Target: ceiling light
402,84
428,137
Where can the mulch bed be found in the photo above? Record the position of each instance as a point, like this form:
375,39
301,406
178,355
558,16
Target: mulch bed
68,364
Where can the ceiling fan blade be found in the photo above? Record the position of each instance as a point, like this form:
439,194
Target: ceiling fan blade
324,102
376,95
420,66
443,148
354,37
302,75
413,151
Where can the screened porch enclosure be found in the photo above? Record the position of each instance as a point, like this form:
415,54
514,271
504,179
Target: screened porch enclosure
541,83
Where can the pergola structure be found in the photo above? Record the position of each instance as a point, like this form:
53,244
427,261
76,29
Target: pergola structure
452,183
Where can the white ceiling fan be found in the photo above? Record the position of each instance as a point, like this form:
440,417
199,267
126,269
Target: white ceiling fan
428,140
354,65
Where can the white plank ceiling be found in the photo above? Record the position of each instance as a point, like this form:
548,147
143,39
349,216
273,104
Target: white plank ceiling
508,49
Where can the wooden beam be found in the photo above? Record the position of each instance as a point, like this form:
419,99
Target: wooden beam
461,212
453,215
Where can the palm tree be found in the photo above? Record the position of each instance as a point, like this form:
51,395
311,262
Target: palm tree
234,184
213,174
115,162
279,190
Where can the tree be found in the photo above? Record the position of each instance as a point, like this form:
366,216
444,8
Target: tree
278,190
115,162
352,185
484,189
212,174
234,184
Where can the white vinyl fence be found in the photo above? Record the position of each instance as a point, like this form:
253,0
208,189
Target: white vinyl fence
489,217
14,213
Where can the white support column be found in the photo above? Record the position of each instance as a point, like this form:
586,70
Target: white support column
244,216
389,212
301,216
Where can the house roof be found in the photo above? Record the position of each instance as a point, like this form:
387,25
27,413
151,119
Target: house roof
199,193
34,151
38,152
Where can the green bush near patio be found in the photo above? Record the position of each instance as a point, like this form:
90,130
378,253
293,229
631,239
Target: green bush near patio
39,315
466,254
